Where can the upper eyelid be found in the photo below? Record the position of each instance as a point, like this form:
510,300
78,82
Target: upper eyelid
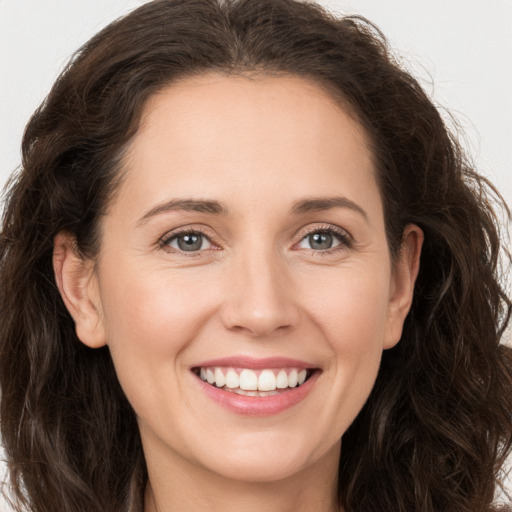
303,232
192,228
172,234
198,228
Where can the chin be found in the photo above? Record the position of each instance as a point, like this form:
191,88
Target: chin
268,462
251,470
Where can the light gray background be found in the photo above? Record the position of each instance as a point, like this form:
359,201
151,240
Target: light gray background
461,49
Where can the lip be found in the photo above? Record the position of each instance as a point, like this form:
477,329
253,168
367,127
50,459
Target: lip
256,405
256,364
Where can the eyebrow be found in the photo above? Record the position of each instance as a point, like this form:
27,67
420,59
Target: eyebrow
312,204
315,204
188,205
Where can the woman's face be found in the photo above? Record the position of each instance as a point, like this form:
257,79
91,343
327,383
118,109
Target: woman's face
246,244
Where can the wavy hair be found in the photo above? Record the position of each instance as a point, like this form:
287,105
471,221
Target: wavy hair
437,427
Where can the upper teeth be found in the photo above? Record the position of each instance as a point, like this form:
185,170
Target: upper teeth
249,380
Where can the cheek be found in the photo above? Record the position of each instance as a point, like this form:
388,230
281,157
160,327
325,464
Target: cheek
347,311
150,320
154,311
350,306
352,314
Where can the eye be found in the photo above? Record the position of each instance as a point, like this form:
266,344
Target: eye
190,241
323,240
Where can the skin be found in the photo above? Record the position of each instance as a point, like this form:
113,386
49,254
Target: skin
257,287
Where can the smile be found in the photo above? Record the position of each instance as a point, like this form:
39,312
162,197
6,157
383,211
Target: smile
249,382
256,387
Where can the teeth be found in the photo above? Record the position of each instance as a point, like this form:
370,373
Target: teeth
248,380
254,393
282,380
293,378
249,383
232,379
266,381
220,380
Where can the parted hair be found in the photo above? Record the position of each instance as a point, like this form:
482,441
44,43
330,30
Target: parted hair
437,427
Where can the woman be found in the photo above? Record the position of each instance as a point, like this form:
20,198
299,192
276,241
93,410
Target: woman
212,295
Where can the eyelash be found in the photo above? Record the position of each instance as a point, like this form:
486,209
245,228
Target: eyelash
344,238
346,241
169,237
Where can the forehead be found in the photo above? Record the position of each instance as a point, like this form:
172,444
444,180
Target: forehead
249,99
225,135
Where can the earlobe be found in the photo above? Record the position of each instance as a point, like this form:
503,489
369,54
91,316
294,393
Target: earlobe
405,272
78,287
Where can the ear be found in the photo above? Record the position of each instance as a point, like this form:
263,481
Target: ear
404,273
78,286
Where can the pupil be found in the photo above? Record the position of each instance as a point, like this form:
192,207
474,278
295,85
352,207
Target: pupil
190,242
320,241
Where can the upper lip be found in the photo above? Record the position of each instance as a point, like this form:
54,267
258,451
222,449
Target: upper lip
256,364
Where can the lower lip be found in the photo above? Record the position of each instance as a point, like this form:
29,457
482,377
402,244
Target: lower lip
259,405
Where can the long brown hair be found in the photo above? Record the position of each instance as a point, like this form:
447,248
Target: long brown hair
435,432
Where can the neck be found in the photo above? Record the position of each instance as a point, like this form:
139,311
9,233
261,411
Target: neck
312,490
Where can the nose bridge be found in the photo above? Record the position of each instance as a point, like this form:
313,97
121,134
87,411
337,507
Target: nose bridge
259,299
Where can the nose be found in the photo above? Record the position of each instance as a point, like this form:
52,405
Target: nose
259,297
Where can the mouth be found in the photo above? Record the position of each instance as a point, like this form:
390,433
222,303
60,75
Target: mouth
256,387
252,382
